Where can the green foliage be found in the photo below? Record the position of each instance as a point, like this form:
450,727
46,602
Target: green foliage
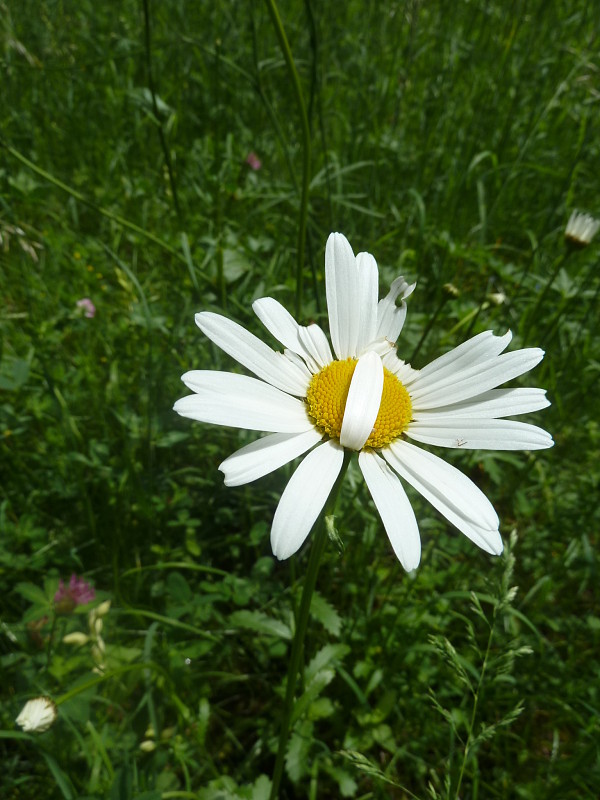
449,139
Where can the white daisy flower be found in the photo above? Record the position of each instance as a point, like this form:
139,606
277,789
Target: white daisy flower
37,715
581,229
362,397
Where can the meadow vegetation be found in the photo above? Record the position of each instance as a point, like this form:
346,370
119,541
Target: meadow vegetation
452,141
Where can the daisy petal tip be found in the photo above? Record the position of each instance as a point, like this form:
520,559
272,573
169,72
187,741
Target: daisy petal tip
411,564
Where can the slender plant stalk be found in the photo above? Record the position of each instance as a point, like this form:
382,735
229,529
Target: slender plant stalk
319,541
306,147
50,642
533,313
477,696
429,326
218,167
161,133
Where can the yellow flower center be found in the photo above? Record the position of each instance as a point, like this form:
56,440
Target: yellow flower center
326,401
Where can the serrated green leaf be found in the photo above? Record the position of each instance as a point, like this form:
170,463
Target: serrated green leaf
296,757
326,614
33,593
313,690
260,623
327,654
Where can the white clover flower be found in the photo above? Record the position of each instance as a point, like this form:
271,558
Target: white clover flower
364,399
581,229
37,715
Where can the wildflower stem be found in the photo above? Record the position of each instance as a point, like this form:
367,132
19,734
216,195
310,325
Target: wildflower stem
477,695
533,314
50,641
316,551
306,147
155,111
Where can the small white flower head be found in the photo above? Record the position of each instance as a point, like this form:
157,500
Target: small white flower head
581,229
37,715
497,298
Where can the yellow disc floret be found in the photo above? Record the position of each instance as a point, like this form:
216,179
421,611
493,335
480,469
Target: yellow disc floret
326,401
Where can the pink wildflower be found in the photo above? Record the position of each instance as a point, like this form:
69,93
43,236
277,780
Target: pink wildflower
89,308
253,161
77,593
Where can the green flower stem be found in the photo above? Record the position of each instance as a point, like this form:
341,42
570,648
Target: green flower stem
51,641
155,111
533,314
306,147
319,540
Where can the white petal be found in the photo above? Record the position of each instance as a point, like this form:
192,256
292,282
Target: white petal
477,434
252,353
315,342
471,382
364,399
449,491
37,715
403,371
304,498
309,342
341,285
390,317
278,321
368,290
223,398
265,455
475,350
490,405
394,508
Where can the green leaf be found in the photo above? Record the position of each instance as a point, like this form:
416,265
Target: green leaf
62,780
33,593
326,614
325,656
296,758
260,623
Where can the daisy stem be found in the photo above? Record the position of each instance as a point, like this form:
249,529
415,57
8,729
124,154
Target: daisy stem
533,316
319,541
306,146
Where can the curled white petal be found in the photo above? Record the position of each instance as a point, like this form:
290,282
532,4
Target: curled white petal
304,497
364,399
394,508
390,317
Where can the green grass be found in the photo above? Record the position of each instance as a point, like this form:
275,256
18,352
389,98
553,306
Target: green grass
451,140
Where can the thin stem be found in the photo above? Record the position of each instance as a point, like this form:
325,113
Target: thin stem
533,314
316,551
429,326
477,695
306,147
51,642
161,133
